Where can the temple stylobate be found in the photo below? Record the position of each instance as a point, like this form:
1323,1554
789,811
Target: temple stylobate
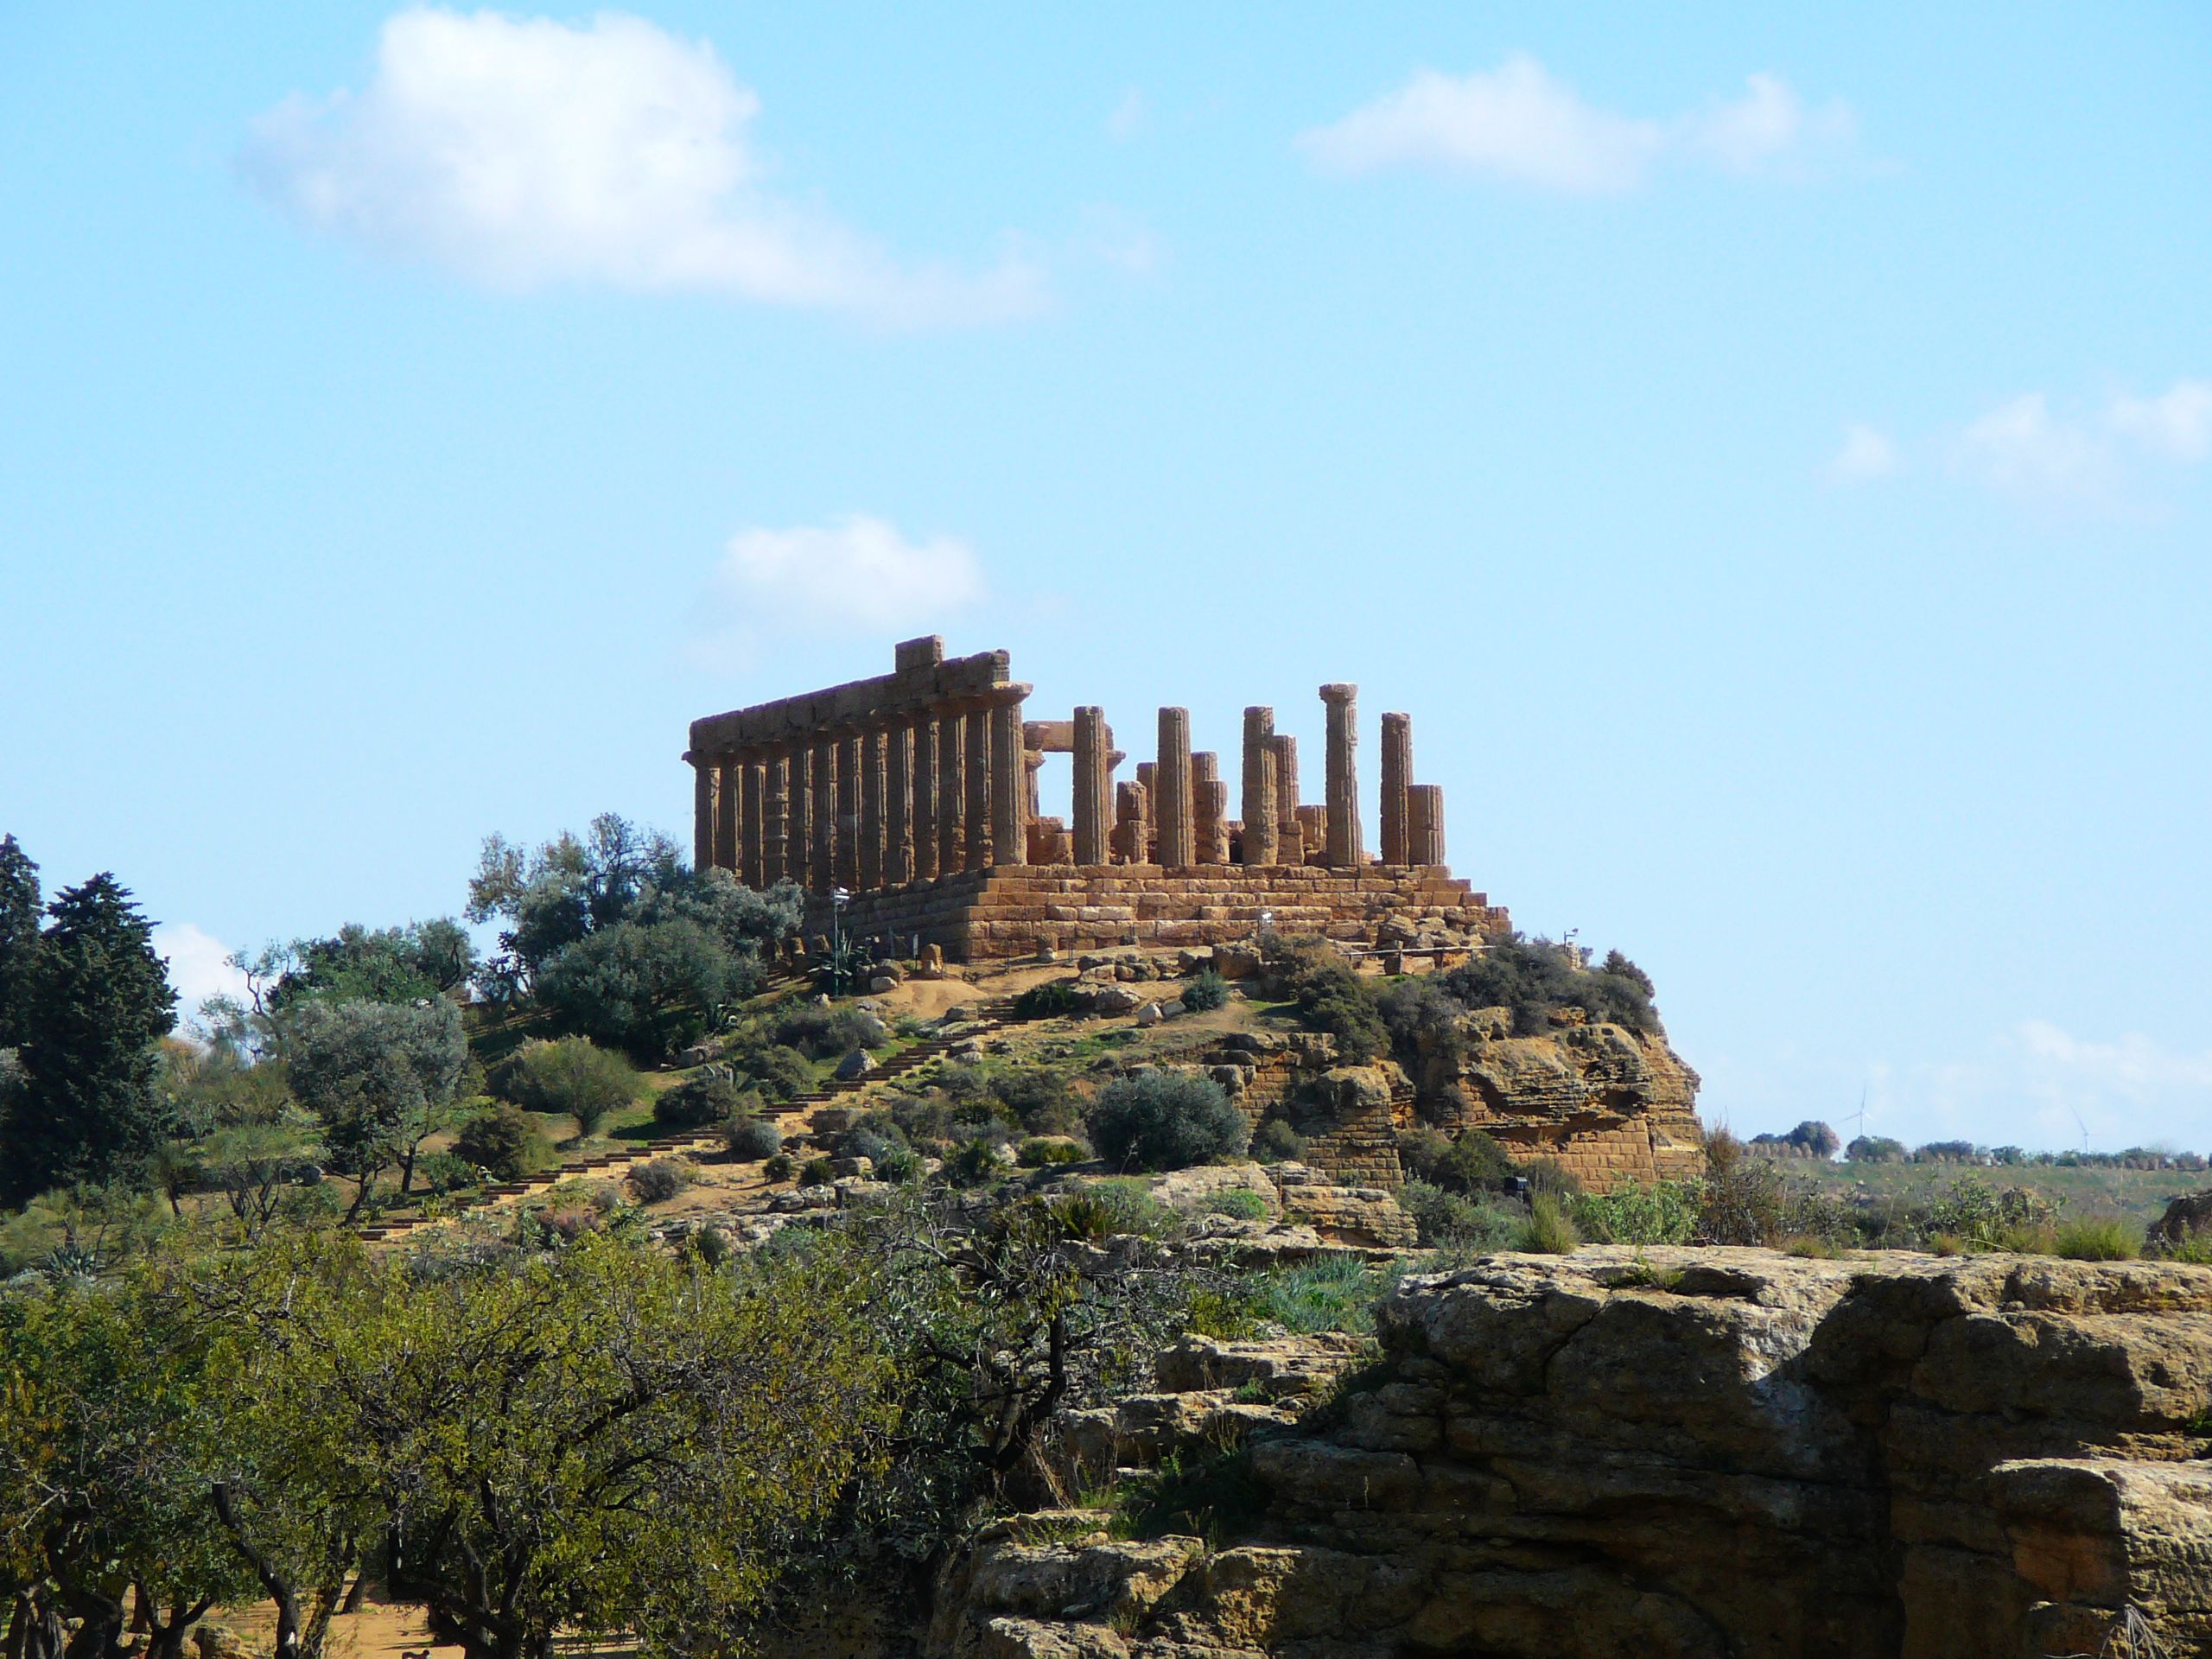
916,792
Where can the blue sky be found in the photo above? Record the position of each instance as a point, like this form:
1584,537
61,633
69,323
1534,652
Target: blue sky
1766,450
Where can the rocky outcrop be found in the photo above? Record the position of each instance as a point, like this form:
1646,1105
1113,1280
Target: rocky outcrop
1673,1453
1606,1103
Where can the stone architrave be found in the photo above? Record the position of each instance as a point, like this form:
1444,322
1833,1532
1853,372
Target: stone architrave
977,809
752,852
1425,824
1093,742
775,820
898,805
1260,846
825,815
1009,823
1397,779
1210,799
799,828
706,792
1171,799
1342,775
926,785
845,858
868,856
730,798
952,791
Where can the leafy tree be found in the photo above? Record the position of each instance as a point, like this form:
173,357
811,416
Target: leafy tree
252,1165
19,940
555,896
380,1079
87,1108
648,988
503,1142
392,965
1813,1139
1164,1120
1331,998
571,1077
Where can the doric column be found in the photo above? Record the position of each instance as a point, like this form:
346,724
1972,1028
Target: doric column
846,858
775,819
1397,777
752,849
706,789
1009,823
825,814
1172,799
1210,801
1260,843
798,827
898,805
925,777
977,809
868,863
1133,834
729,807
1093,742
1291,845
952,791
1342,775
1425,824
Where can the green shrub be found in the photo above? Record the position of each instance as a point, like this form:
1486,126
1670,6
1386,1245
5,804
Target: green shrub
1330,1293
1473,1163
571,1077
974,1162
444,1172
1665,1213
1453,1218
816,1172
1039,1153
780,1071
1983,1216
1040,1098
661,1178
901,1164
503,1142
1807,1245
1051,1000
1274,1141
1532,977
1128,1206
1239,1202
779,1167
1549,1230
1166,1120
1204,991
1331,997
747,1138
697,1102
829,1033
2196,1248
2095,1238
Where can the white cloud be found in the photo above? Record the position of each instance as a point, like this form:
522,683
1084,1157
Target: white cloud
2021,449
199,966
1519,123
858,572
1867,453
2176,425
524,151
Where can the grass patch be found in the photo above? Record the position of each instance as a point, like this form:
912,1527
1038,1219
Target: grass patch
2098,1238
1549,1229
1335,1294
1215,1499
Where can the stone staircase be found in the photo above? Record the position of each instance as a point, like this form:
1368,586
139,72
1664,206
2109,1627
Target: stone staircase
793,1118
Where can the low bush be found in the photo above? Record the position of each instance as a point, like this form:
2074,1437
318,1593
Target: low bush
1040,1098
444,1172
901,1164
1166,1120
1473,1163
571,1077
779,1069
1453,1218
503,1142
829,1033
1985,1215
1051,1000
1204,991
1332,1294
1549,1230
1665,1213
1274,1141
1532,977
1128,1206
697,1102
662,1178
974,1162
747,1138
2095,1238
780,1167
1331,997
1041,1151
1238,1202
816,1172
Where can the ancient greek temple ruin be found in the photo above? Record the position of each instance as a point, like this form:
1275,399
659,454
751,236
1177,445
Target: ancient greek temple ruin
915,794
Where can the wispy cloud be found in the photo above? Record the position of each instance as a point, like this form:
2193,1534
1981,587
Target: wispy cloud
1866,452
520,152
1127,116
1520,124
858,572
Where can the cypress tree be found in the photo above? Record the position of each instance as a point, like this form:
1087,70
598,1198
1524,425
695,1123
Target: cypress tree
19,940
100,1001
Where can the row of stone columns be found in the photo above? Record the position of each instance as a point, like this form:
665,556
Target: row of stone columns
905,799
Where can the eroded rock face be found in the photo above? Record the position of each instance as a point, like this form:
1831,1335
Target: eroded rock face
1679,1453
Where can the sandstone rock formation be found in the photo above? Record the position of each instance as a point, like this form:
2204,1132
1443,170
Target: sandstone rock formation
1667,1452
